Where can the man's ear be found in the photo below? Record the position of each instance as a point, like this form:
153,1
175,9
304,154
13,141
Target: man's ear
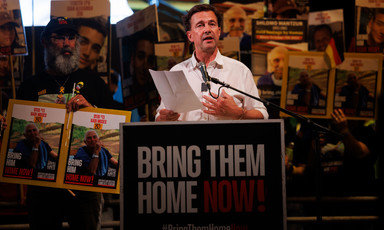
189,36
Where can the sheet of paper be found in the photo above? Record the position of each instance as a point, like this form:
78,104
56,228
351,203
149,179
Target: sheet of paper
175,91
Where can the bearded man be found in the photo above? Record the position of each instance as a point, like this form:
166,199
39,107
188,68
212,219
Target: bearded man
63,82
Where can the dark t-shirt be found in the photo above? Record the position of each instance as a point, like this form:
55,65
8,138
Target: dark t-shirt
45,88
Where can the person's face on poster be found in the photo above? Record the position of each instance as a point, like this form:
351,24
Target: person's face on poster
31,132
277,63
352,80
321,39
376,34
144,60
205,32
235,19
91,140
4,66
7,35
91,43
304,79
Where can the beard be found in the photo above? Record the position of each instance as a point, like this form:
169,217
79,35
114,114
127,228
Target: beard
60,63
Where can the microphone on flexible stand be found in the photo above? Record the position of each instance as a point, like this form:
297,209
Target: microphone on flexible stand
204,73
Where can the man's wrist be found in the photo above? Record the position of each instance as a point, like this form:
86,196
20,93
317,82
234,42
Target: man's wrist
35,149
243,111
95,155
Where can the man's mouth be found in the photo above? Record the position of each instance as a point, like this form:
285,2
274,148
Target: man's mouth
67,52
209,38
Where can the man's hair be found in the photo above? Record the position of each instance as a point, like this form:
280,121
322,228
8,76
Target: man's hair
91,130
323,27
200,8
98,23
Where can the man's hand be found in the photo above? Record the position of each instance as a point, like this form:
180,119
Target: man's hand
340,121
77,103
224,106
167,115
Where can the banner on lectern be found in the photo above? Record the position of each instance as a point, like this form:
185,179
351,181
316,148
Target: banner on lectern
203,175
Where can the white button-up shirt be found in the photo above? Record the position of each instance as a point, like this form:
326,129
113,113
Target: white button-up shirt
227,70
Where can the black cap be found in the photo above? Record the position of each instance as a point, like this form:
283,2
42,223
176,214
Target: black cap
59,24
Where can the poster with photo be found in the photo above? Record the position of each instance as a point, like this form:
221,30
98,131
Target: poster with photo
271,40
306,84
137,36
12,38
357,85
368,38
322,27
31,151
169,54
46,146
237,22
93,153
93,21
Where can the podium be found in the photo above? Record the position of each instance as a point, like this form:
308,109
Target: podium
203,175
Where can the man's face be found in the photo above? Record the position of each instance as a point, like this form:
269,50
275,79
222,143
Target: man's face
205,32
304,78
91,42
236,23
62,53
377,30
322,38
277,63
143,60
7,35
4,66
91,139
31,132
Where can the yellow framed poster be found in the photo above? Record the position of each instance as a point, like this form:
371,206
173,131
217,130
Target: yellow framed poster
357,85
307,82
41,142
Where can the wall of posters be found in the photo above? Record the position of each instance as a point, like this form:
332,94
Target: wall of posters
45,146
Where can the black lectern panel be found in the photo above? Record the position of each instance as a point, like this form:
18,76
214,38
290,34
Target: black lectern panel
203,175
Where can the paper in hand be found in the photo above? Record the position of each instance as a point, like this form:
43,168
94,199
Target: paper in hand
175,91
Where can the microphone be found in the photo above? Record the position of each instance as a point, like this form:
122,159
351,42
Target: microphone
204,73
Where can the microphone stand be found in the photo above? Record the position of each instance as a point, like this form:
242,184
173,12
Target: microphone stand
317,130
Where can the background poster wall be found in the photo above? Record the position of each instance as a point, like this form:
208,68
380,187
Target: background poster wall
357,85
189,181
306,84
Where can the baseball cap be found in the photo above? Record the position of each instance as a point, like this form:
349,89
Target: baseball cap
59,24
6,18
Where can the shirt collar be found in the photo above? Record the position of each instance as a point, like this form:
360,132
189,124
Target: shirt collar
218,62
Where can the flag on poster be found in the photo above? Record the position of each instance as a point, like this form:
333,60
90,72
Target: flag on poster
333,55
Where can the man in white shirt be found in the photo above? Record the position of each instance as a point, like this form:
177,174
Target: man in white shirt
202,24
